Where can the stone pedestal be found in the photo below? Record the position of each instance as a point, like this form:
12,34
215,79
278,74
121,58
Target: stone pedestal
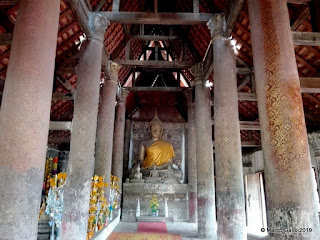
25,116
154,219
291,201
176,195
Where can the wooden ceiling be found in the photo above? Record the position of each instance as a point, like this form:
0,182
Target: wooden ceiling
193,46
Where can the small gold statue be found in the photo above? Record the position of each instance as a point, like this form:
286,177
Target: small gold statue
156,152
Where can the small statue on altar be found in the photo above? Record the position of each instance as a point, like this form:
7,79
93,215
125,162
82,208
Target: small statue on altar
156,153
170,176
170,173
154,172
137,176
154,176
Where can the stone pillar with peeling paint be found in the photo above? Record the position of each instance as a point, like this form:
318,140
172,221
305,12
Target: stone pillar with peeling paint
228,157
82,145
192,159
25,116
118,147
291,202
105,127
207,227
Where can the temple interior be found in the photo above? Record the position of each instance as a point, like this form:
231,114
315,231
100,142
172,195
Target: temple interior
149,119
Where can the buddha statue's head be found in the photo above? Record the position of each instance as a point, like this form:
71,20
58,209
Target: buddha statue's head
156,127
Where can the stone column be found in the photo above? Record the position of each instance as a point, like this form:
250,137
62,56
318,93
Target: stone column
118,147
314,147
204,154
127,144
192,159
105,128
288,176
82,146
25,116
228,158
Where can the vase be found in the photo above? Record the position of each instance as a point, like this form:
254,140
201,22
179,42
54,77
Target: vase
157,213
154,214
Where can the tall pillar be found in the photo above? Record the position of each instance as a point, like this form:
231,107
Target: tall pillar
228,157
105,128
82,146
127,144
192,160
204,154
25,116
118,147
291,201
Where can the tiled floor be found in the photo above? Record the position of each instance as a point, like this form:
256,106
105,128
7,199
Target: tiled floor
188,231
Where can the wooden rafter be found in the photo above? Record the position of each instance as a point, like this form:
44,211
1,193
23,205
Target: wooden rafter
8,2
157,18
60,125
298,1
247,144
310,85
301,18
244,83
235,7
155,64
155,38
100,5
6,39
306,38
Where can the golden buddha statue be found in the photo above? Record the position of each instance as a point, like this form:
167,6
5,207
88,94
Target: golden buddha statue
156,152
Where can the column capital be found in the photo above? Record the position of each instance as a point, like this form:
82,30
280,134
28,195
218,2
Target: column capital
197,71
114,68
123,95
217,26
98,25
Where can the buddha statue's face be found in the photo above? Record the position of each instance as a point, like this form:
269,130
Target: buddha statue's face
156,131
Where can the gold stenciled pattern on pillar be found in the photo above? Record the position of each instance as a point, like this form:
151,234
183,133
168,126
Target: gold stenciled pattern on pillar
227,105
283,106
229,145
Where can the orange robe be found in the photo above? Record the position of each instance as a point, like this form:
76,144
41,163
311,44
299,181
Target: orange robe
158,153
